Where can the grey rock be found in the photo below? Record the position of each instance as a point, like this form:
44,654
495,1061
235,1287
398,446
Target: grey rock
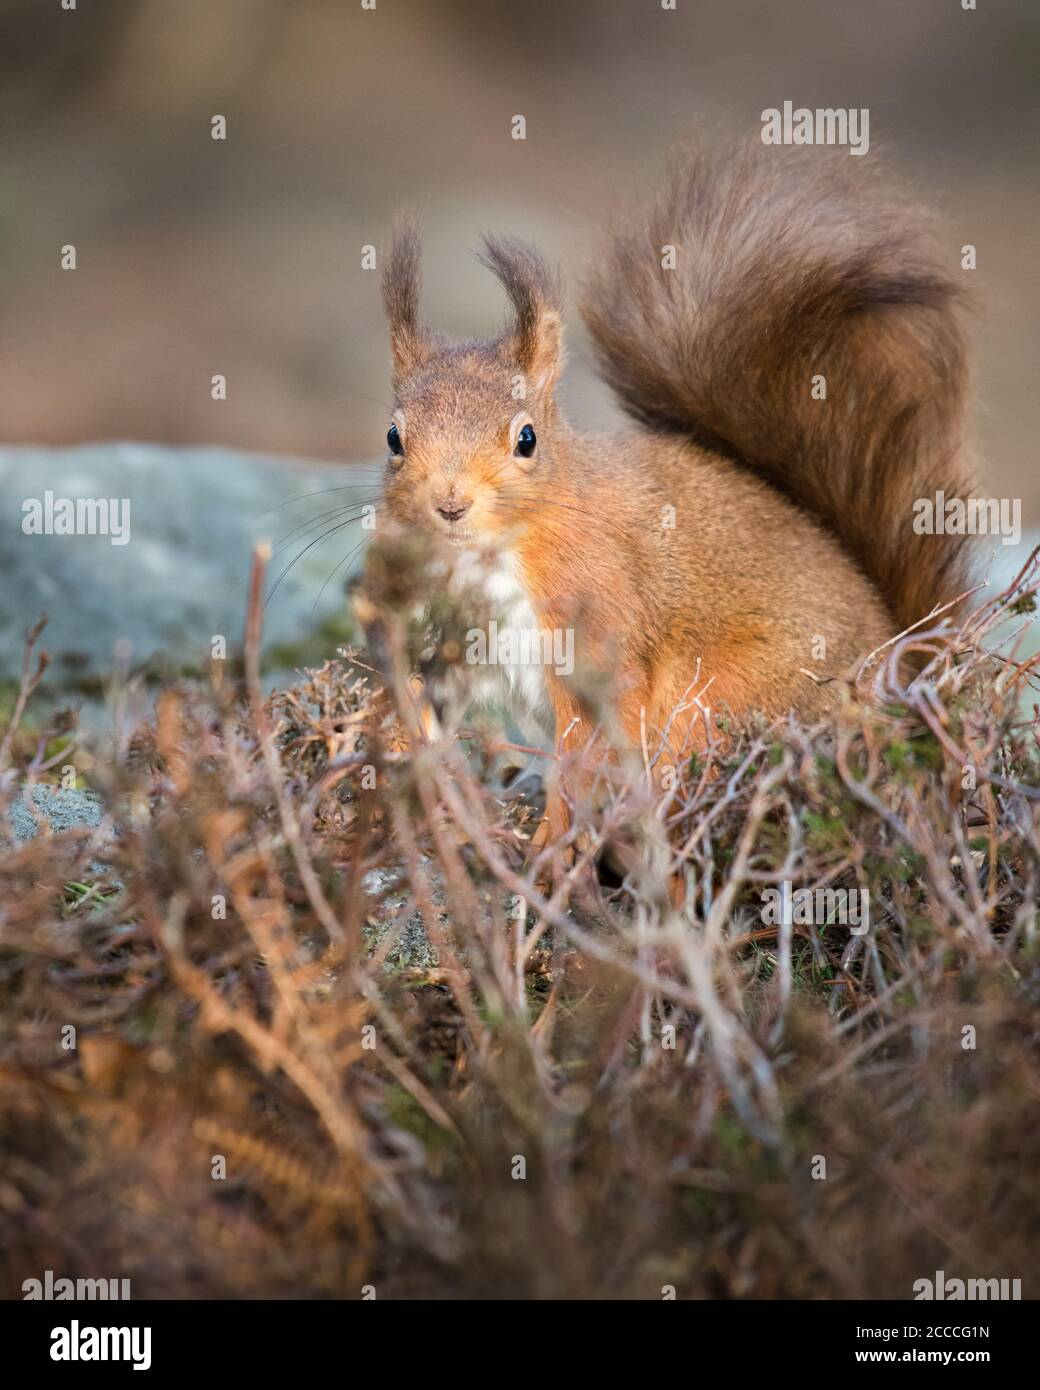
181,577
57,807
1001,563
61,809
413,947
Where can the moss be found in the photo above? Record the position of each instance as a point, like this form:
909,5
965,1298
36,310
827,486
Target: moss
404,1112
824,832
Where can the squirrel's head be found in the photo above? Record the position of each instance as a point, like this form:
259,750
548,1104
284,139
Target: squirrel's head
470,440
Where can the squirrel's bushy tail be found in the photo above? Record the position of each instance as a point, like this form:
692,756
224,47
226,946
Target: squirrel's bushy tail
790,265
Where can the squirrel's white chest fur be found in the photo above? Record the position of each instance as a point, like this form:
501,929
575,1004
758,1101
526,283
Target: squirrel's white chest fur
509,677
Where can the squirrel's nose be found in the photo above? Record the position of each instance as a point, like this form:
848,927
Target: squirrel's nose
454,508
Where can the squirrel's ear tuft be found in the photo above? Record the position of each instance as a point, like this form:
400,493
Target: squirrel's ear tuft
401,285
535,341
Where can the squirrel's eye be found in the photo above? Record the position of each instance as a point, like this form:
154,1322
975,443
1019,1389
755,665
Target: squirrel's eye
525,442
393,439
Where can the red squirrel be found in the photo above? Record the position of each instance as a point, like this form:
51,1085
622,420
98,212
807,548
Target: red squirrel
784,330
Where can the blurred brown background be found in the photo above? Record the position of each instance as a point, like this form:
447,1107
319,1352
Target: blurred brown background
243,257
